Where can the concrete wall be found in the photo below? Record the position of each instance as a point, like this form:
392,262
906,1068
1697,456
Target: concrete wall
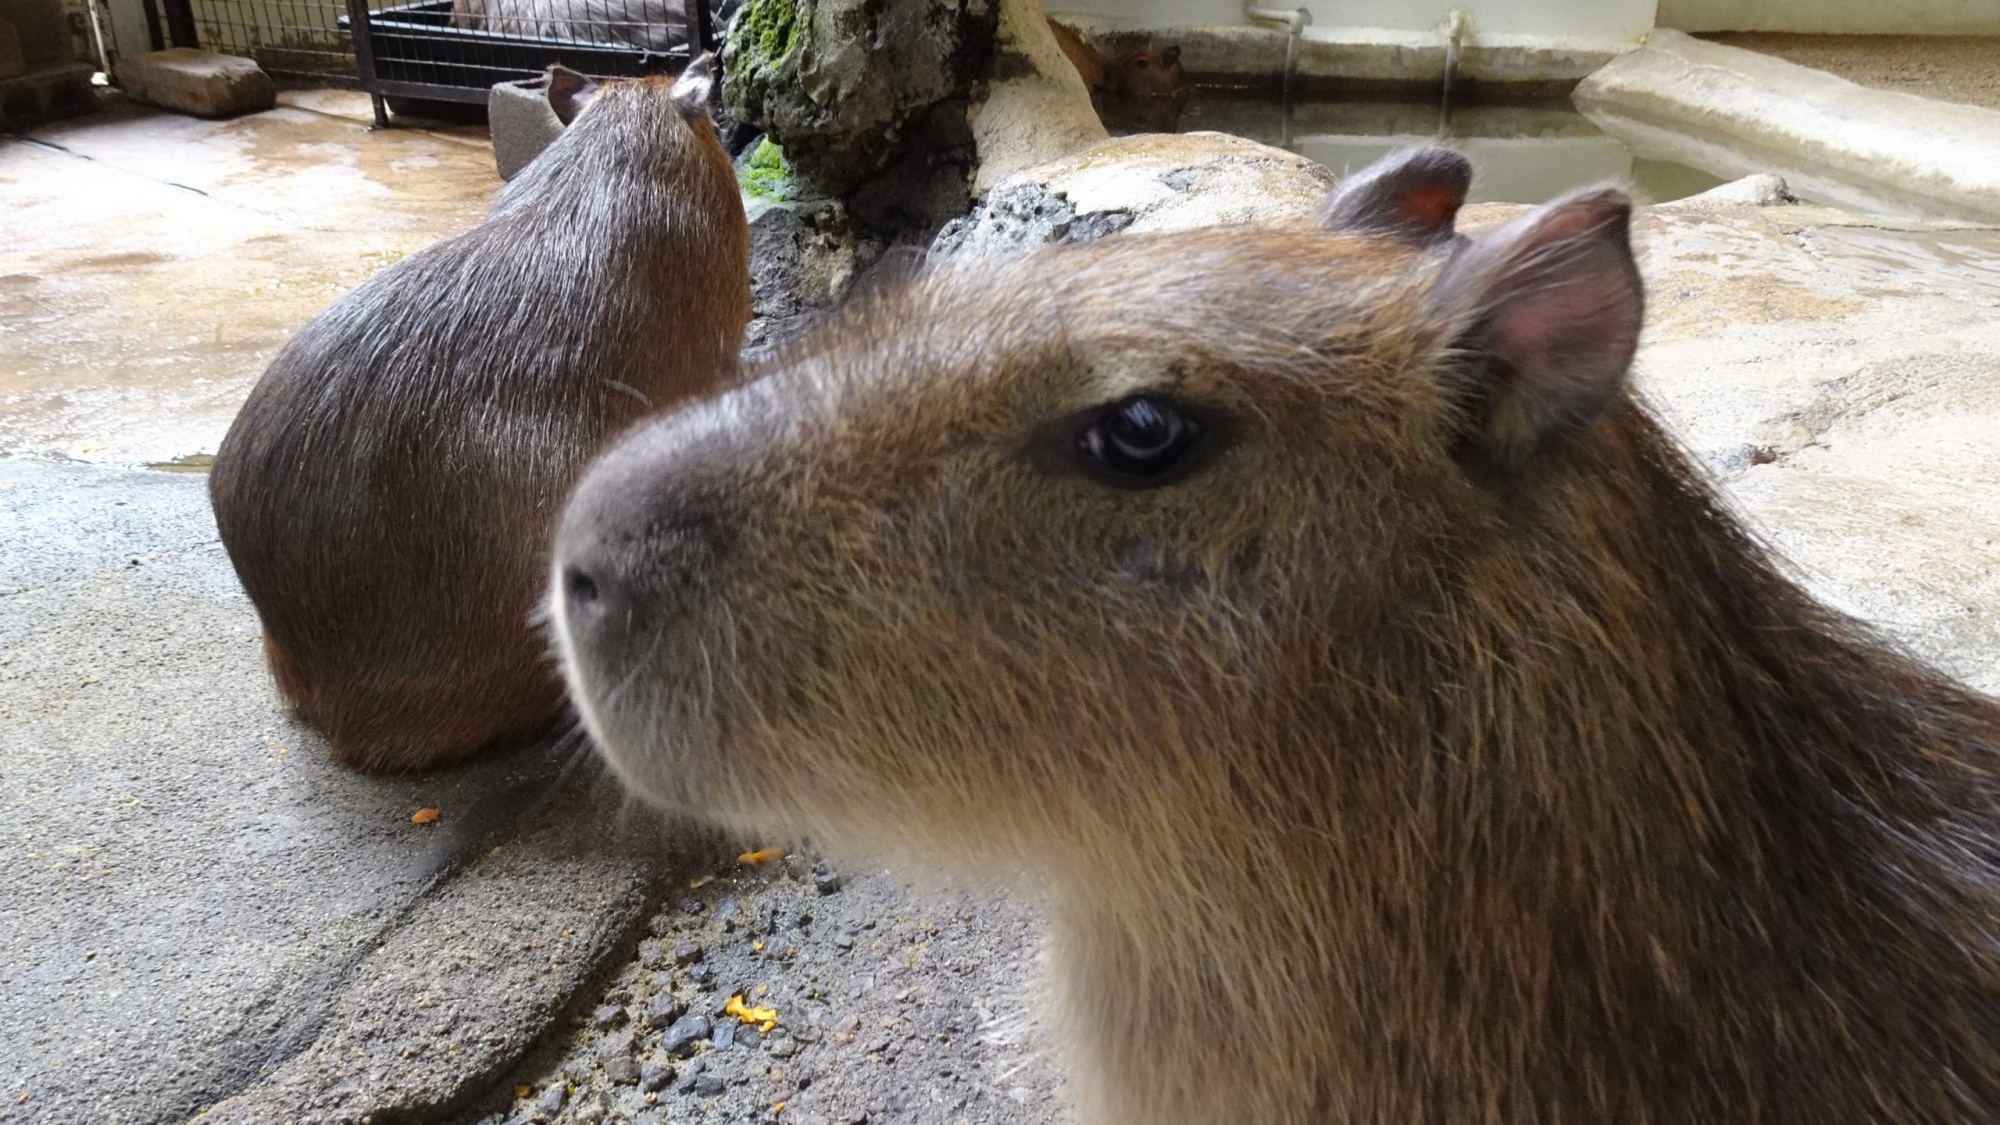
1852,17
1603,24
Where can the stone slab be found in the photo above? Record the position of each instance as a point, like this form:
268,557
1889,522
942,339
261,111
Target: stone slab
201,83
1735,112
200,905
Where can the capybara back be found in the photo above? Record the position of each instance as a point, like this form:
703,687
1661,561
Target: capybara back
386,493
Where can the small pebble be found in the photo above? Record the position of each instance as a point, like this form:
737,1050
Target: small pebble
747,1036
781,1045
690,906
624,1070
687,953
653,953
665,1009
552,1099
707,1085
843,940
685,1032
702,975
826,882
607,1017
724,1036
617,1043
653,1077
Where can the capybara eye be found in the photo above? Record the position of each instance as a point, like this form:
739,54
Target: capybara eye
1138,442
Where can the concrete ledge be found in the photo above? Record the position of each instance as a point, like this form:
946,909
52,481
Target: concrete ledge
1736,112
1343,55
201,83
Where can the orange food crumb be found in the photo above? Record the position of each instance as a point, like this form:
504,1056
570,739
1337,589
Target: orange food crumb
777,1107
523,1091
764,1018
424,815
761,855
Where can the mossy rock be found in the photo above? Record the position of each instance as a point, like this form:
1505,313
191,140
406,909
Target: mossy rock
764,175
841,83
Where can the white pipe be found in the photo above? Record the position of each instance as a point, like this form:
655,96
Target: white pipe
1294,21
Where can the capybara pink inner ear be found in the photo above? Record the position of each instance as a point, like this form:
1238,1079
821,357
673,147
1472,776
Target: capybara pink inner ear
1551,306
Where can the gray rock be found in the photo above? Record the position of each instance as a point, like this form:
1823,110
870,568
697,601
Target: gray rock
617,1043
622,1069
665,1009
685,1032
687,953
843,940
201,83
781,1045
707,1085
694,1069
702,975
1144,183
803,258
827,882
724,1035
552,1099
654,1076
653,954
607,1016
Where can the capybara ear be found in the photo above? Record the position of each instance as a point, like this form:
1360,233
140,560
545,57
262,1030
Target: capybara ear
695,89
1545,315
569,92
1413,195
1170,55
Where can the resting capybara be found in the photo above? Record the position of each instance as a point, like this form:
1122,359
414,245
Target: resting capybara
1138,91
654,25
389,490
1399,727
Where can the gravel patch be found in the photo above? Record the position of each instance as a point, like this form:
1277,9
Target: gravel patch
793,994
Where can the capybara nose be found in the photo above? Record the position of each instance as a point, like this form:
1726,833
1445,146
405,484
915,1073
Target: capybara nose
638,548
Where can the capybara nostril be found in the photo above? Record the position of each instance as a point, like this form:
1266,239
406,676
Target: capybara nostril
580,590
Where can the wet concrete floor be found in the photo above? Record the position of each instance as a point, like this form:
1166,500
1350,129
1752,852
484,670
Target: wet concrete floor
151,265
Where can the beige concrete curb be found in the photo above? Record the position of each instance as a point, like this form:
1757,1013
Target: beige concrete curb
1736,112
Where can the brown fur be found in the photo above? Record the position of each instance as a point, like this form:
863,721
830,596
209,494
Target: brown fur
388,490
1138,91
1422,756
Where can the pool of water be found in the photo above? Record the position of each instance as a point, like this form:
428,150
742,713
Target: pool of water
1520,153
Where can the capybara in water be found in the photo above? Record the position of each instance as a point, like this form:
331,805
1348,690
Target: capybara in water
1138,91
389,490
1399,727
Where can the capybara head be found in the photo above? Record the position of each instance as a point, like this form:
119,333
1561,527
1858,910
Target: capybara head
1398,729
1068,529
1143,91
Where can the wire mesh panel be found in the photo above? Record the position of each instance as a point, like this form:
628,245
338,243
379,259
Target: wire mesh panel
456,49
444,50
288,38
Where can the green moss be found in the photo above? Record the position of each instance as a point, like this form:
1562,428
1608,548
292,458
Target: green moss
765,176
764,33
